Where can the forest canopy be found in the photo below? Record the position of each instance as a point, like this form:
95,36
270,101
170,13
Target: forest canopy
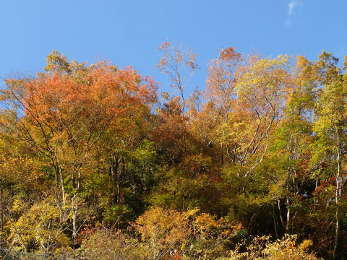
98,162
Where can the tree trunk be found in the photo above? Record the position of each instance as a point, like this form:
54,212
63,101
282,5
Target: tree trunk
280,212
288,215
1,209
74,221
115,172
274,219
74,203
338,193
61,180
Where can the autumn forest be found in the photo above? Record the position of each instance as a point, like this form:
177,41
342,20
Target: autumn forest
100,162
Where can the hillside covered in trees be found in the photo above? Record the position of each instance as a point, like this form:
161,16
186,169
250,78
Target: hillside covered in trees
98,162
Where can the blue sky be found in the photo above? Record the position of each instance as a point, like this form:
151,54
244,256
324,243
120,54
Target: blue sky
128,32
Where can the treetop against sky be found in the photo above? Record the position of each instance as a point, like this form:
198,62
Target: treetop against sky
129,32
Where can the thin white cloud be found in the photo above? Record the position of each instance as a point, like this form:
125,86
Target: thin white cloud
292,6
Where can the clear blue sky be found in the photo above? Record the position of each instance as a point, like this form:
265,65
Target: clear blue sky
128,32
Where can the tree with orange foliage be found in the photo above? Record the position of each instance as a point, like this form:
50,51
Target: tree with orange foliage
64,113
